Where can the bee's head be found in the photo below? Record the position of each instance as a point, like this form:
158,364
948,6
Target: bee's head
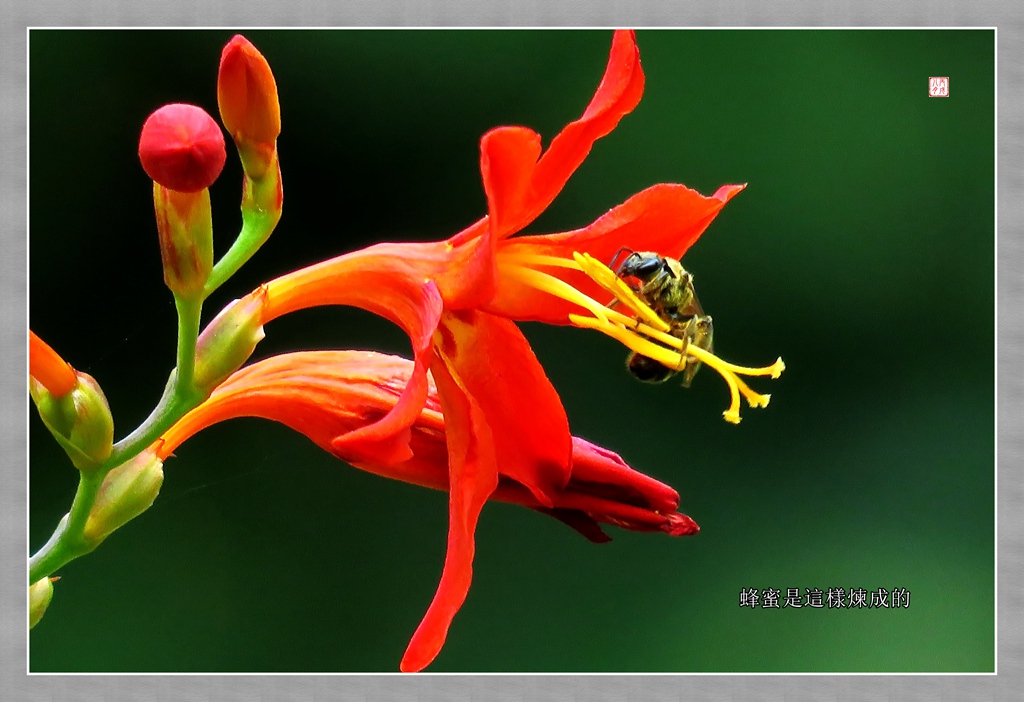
644,265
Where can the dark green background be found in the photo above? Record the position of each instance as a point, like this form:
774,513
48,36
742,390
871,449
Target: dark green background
862,252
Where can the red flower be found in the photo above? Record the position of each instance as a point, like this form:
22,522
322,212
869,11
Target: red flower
326,394
457,298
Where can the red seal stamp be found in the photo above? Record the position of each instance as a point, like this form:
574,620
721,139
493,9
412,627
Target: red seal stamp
938,86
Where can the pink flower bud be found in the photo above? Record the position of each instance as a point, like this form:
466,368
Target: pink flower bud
182,148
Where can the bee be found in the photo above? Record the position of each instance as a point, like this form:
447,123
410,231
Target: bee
667,288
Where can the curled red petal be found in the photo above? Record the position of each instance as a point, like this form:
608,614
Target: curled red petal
182,148
518,185
325,394
473,475
508,157
603,489
494,364
666,218
594,465
397,288
387,441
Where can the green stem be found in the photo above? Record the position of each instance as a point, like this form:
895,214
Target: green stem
189,312
172,407
68,542
180,396
235,257
261,212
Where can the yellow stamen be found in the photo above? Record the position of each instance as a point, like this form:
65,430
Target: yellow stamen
559,288
607,279
531,259
646,333
666,357
669,350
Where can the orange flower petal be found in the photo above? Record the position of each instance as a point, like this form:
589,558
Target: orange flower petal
518,185
46,366
384,282
666,218
493,363
324,393
473,475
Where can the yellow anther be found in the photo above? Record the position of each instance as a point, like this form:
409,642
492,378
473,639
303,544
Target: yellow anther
607,279
645,333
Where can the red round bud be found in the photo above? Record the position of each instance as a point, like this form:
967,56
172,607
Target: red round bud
182,148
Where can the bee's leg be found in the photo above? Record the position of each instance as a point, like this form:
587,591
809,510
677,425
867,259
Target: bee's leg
636,290
611,264
687,332
699,332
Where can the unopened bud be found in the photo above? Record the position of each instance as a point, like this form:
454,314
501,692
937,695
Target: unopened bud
39,595
46,366
185,225
229,340
127,491
182,148
249,107
80,420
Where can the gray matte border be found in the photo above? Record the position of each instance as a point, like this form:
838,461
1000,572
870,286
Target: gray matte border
1003,14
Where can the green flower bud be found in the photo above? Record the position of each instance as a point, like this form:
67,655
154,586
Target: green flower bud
229,340
80,420
185,225
39,595
126,492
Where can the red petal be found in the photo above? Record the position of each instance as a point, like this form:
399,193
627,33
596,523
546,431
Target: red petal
580,522
593,465
508,157
387,281
473,475
604,489
518,186
468,277
666,218
322,394
494,364
386,442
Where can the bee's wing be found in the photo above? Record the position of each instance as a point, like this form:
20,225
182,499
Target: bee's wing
693,308
695,305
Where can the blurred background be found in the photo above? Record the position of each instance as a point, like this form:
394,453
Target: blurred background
862,252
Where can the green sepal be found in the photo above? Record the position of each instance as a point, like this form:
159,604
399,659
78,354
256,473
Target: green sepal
80,421
127,491
184,222
39,595
229,340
